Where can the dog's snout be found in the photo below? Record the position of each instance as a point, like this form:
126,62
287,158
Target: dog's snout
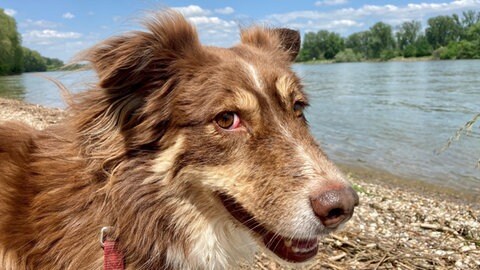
334,206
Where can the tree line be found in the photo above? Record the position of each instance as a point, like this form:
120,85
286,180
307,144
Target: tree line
14,58
445,37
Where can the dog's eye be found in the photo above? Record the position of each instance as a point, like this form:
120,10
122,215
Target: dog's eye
227,120
298,108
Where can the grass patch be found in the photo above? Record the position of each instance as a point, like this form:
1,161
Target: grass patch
359,189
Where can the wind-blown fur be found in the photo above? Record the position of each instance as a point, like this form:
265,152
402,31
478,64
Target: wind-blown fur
141,152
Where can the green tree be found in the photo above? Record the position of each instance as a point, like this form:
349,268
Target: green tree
310,50
381,40
329,43
467,50
442,30
53,63
460,50
407,34
473,32
470,18
409,51
422,47
358,42
33,61
10,46
321,45
13,57
446,37
347,55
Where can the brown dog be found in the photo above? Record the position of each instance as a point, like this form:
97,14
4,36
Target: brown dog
194,155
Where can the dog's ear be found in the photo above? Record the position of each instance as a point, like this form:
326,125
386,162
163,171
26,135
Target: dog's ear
130,109
283,39
133,59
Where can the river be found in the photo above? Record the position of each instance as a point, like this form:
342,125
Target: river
391,116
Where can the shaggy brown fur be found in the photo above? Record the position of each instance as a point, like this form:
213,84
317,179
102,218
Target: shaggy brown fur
143,152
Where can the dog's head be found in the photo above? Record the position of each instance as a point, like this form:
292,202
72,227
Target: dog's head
227,121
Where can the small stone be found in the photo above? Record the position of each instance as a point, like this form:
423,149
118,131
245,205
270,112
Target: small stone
467,248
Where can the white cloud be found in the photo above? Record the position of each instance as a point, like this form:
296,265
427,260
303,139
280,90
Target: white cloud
29,23
330,2
212,29
90,13
211,20
50,42
37,35
197,11
68,15
347,23
10,12
339,26
215,31
62,45
225,10
411,11
285,18
192,10
347,20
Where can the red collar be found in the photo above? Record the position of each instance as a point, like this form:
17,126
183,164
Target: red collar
112,256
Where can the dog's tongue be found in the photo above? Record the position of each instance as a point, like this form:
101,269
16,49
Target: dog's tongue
295,250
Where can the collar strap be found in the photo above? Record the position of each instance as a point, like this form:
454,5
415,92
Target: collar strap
112,256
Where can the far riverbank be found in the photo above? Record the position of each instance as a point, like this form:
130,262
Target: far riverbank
395,59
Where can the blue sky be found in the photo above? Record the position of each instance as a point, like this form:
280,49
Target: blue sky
62,28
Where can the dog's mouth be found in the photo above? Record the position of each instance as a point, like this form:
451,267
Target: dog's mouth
288,249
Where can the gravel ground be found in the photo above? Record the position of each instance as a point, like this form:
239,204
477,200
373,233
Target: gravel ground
395,227
34,115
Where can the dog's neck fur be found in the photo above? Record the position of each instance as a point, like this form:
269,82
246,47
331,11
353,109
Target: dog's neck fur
175,231
155,226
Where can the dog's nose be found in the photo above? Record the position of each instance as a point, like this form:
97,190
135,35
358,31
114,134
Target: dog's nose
333,207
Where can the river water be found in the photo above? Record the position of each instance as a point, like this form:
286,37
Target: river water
392,116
